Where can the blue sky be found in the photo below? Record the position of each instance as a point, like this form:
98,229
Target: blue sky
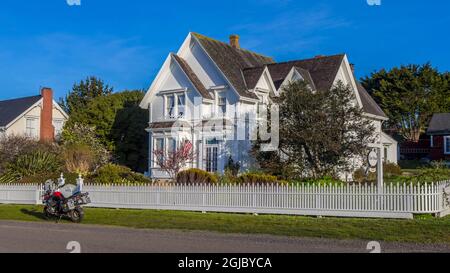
49,43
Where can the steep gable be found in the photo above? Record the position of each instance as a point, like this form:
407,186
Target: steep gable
192,77
232,61
322,70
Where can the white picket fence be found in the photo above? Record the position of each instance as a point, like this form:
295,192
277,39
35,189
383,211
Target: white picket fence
392,201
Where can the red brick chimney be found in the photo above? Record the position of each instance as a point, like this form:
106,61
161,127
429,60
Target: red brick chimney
234,41
47,133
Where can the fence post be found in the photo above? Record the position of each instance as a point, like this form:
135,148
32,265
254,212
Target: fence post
38,194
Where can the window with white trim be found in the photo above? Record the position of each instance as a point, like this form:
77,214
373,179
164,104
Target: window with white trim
222,103
170,106
171,145
159,146
58,124
32,127
447,145
181,106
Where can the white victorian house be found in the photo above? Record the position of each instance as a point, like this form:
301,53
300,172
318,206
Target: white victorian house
209,84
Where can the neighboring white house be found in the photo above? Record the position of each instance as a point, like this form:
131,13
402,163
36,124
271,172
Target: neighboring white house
210,84
38,117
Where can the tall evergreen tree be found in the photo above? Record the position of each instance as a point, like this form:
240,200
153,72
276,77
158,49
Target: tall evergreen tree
410,95
83,92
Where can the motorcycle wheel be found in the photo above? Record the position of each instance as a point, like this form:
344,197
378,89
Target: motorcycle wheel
76,215
47,214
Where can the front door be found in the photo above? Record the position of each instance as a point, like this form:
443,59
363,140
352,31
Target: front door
212,158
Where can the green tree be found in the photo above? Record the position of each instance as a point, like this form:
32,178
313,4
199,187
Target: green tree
410,95
319,131
120,125
83,92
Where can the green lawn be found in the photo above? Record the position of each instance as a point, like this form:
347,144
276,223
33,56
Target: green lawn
425,229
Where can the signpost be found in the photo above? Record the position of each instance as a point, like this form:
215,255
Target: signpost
375,161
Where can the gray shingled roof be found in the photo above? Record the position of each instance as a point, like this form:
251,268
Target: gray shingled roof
244,68
322,70
306,76
192,77
232,61
252,76
11,109
440,124
369,104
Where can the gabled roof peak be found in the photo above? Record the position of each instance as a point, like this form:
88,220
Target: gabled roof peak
11,109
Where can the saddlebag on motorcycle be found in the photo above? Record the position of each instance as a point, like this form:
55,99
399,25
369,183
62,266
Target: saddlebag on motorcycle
76,200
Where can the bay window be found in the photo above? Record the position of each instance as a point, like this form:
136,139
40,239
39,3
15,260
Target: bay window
171,145
159,146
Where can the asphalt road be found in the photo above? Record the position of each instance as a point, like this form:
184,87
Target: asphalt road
18,237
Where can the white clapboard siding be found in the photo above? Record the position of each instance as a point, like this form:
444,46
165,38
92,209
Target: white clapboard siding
352,200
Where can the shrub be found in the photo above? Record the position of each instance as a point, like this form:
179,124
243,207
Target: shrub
79,158
227,178
117,174
34,163
325,181
257,178
82,135
11,147
41,178
196,176
232,167
391,169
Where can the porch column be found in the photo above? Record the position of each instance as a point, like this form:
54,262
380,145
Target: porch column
380,178
150,153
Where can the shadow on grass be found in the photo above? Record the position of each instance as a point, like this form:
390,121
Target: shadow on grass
34,213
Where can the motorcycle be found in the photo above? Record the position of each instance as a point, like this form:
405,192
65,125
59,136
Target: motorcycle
64,200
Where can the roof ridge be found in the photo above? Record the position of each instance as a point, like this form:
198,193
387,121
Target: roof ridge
309,59
21,98
201,36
